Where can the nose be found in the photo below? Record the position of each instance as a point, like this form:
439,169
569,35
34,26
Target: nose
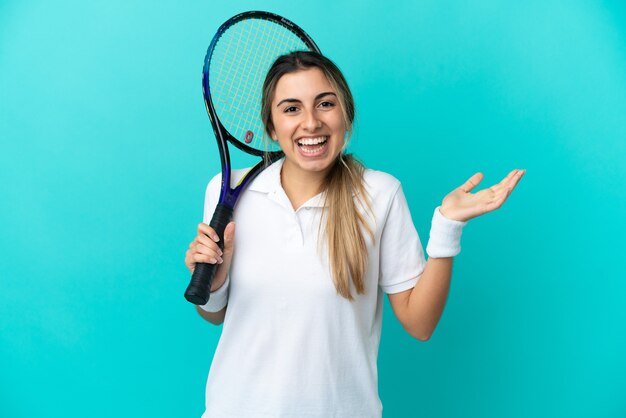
311,122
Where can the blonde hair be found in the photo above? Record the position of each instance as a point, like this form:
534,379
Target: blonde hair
344,186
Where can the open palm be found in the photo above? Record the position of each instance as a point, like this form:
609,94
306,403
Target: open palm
461,205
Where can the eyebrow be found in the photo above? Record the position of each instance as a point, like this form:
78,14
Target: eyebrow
319,96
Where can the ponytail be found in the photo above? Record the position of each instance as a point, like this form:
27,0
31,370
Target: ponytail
346,224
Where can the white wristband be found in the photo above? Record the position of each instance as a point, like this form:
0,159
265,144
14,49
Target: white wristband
445,236
218,299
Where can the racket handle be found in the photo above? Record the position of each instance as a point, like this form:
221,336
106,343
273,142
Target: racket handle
199,287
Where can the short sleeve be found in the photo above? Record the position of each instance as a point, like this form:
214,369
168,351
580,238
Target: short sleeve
402,260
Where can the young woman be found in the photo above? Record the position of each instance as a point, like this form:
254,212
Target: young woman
319,240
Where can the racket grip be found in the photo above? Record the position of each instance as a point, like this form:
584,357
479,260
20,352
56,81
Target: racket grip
199,287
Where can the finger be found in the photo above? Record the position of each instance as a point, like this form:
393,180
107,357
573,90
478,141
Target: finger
229,236
508,178
508,182
210,247
514,179
518,176
207,230
203,249
188,256
191,265
472,182
206,259
204,240
205,255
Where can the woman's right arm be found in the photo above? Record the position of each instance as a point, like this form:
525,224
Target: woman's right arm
204,249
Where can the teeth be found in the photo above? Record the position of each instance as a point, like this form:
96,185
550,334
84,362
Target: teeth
312,141
312,151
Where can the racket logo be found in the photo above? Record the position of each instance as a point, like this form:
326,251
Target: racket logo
286,22
248,137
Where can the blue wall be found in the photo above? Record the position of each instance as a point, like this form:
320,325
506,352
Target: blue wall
106,150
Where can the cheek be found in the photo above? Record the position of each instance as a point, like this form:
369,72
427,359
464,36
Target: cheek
283,125
339,126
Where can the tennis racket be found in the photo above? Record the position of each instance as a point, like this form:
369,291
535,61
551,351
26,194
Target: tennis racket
235,65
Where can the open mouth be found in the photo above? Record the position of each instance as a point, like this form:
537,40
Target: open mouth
312,145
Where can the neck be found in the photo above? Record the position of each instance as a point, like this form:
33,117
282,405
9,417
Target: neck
300,185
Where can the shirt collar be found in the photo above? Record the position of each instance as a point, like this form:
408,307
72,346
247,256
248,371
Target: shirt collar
268,181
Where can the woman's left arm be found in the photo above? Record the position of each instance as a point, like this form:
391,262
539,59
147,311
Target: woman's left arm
419,309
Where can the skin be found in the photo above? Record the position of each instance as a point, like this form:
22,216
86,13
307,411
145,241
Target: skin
305,106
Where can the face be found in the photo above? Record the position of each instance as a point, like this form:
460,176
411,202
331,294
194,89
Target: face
308,121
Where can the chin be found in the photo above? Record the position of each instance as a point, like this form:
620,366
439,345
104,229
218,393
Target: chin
317,166
314,168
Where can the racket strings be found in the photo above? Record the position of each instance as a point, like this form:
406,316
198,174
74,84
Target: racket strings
239,62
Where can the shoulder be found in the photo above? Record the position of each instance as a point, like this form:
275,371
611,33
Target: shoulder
235,176
380,183
215,184
382,191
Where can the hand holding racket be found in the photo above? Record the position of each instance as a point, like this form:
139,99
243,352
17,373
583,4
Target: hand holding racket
204,249
238,58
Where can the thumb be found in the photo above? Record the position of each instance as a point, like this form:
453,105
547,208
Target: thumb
229,236
472,182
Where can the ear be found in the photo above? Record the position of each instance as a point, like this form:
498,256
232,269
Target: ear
273,134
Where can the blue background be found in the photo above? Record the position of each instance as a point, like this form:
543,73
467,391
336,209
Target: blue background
106,150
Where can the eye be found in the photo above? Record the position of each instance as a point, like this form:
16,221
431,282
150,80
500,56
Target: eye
290,109
326,104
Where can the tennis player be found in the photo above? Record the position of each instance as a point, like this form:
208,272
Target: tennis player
318,241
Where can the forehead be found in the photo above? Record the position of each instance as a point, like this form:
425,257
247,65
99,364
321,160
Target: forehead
302,85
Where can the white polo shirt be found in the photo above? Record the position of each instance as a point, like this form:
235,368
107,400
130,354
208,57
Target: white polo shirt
290,345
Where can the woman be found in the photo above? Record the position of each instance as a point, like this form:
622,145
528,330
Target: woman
319,239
